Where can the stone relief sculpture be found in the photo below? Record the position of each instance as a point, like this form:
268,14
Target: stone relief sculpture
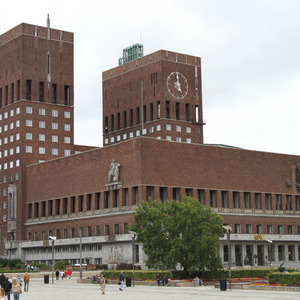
115,254
114,172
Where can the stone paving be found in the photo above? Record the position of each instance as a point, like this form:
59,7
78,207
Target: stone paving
71,290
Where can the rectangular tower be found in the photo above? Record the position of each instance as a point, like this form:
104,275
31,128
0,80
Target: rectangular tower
158,95
36,112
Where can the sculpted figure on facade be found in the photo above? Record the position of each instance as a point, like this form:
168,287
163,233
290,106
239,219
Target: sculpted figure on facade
114,172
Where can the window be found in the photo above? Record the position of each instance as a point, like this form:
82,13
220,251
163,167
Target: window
269,229
42,124
177,111
54,138
158,127
28,136
41,92
237,228
67,152
158,110
67,140
98,231
257,200
106,230
42,150
18,123
290,229
67,127
248,228
28,149
42,137
288,200
54,113
268,201
28,110
67,114
280,229
236,199
67,95
224,195
187,112
178,128
29,123
54,100
259,228
213,198
55,126
54,151
278,202
28,89
168,127
116,228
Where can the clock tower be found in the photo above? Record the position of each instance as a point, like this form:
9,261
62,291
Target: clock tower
158,95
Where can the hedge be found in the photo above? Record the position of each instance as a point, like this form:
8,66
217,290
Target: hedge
285,278
205,275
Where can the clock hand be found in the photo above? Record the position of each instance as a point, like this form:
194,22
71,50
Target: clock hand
178,84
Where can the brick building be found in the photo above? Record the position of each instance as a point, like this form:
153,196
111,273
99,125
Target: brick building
153,147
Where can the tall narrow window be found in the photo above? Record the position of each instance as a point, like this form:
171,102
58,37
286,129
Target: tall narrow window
158,109
6,95
54,99
131,117
0,97
168,109
112,117
197,113
12,93
67,95
106,124
118,121
177,111
125,118
18,90
187,112
28,89
41,92
137,115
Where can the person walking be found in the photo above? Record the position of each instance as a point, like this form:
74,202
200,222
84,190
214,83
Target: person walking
102,284
2,279
69,273
7,288
2,294
121,280
16,289
57,274
26,282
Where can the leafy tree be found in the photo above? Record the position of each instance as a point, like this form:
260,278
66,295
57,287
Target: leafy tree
173,232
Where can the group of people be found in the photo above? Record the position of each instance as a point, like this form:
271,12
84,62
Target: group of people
164,281
14,286
63,274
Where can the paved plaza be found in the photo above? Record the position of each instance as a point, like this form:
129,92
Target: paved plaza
70,289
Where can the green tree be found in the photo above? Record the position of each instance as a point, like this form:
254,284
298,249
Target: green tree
173,232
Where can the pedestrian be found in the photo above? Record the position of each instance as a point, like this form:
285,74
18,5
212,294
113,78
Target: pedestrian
2,294
102,284
62,274
16,289
121,280
19,279
7,287
158,279
57,274
2,279
69,273
26,279
166,280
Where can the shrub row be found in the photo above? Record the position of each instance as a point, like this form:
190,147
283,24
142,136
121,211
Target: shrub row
285,278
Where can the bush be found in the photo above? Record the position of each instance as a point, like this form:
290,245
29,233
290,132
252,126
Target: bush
12,263
285,278
40,266
61,264
101,267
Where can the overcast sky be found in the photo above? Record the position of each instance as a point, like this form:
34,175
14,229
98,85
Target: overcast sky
250,52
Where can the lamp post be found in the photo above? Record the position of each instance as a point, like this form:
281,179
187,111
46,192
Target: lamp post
133,254
80,249
52,238
269,250
227,230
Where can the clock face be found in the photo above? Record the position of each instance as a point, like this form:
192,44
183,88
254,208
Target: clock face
177,85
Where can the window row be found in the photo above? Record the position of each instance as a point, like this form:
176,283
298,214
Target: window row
7,179
13,92
89,231
151,130
42,138
54,125
42,150
181,111
82,203
54,112
10,165
268,229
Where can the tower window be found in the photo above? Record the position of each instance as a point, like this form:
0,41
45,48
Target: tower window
41,92
54,99
28,89
67,95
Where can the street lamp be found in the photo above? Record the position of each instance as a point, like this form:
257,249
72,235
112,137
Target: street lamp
133,254
269,250
52,238
227,230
